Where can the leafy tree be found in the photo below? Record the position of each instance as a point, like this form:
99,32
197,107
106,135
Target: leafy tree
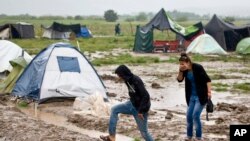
229,19
78,17
141,17
181,19
110,16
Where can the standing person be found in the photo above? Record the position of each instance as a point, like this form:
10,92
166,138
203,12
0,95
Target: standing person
117,29
198,91
138,105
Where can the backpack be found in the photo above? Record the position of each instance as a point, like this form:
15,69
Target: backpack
209,108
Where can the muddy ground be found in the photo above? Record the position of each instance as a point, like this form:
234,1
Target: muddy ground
57,121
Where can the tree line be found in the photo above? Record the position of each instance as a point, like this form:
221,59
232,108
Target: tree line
112,16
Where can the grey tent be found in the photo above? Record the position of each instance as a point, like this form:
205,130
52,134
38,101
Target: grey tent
226,34
18,30
162,21
61,31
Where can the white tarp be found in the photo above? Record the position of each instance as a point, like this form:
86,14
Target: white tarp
93,105
10,51
205,44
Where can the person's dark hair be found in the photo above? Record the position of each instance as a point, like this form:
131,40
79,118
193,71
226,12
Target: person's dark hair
184,57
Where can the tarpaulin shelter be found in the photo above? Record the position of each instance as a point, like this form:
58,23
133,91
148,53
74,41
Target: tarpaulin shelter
61,31
226,34
18,30
161,21
85,32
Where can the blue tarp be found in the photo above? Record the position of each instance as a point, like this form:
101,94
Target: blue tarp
85,33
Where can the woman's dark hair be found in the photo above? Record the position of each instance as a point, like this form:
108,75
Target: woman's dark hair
184,57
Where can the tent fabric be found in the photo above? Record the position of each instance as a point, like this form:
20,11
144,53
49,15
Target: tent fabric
243,47
85,32
18,30
42,78
226,34
60,31
162,21
205,44
18,65
143,41
68,64
8,52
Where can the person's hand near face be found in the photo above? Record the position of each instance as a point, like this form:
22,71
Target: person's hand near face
183,66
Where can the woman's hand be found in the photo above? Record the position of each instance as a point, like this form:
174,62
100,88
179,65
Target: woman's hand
140,115
209,95
182,68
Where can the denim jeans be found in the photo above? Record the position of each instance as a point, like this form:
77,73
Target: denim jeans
129,109
193,116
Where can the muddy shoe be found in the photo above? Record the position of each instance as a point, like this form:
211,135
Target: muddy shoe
198,139
188,139
105,138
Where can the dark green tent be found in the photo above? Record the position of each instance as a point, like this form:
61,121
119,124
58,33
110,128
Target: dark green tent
162,21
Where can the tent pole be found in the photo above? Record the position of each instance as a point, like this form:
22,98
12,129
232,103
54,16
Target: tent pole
35,106
78,45
131,28
168,34
10,32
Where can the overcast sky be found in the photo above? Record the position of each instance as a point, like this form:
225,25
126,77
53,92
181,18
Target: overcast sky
97,7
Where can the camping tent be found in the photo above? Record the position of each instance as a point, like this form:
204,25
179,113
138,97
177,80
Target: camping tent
162,21
243,47
205,44
59,70
18,30
226,34
8,52
60,31
85,32
18,65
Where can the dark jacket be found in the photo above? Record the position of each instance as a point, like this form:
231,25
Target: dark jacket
201,79
139,96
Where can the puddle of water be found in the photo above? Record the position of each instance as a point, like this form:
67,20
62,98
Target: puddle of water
61,121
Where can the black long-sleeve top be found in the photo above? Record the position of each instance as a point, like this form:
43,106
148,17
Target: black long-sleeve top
201,79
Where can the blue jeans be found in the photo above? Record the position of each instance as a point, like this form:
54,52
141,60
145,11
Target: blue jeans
129,109
193,116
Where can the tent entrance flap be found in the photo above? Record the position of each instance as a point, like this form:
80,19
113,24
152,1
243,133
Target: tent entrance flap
68,64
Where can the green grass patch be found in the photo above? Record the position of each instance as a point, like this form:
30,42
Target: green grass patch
124,59
220,87
172,60
223,58
244,71
137,139
221,76
34,46
22,104
244,87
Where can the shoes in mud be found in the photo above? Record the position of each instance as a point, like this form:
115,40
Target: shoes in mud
188,139
196,139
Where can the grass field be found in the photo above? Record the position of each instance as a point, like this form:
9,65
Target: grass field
105,39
